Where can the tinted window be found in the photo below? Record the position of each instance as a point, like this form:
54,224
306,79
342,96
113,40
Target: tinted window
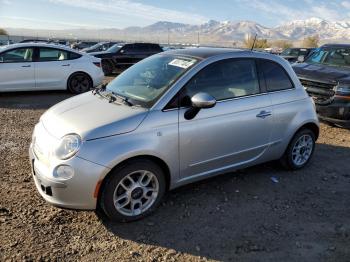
51,54
275,76
331,56
127,48
226,79
17,55
73,56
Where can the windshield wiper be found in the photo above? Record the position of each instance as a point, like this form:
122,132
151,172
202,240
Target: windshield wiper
114,97
97,90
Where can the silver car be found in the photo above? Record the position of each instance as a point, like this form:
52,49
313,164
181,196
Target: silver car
171,119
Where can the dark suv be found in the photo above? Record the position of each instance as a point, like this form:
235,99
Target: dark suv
326,76
122,56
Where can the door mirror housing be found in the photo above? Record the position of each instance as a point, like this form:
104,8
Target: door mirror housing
199,101
203,100
301,59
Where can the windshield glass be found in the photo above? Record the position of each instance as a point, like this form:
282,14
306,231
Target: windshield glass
94,46
147,80
294,52
330,56
114,48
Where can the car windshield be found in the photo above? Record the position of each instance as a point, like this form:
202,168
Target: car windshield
147,80
294,52
94,47
114,48
334,56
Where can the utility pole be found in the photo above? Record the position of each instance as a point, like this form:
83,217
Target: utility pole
198,39
168,37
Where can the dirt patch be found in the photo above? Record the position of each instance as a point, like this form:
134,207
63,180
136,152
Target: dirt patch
242,216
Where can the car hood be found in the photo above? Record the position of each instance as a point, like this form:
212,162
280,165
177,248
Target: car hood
91,116
100,53
322,73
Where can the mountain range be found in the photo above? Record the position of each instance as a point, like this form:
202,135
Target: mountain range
211,31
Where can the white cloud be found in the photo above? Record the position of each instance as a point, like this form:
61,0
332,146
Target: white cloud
5,2
46,23
134,9
284,13
346,4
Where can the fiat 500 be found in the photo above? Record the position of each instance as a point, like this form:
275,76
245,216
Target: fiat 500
171,119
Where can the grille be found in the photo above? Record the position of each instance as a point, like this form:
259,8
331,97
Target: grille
321,92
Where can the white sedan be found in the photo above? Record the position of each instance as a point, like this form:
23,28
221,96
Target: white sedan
40,66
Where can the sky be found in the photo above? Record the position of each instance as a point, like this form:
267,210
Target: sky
69,14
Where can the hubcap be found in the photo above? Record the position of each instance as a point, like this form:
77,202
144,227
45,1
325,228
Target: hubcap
136,193
302,150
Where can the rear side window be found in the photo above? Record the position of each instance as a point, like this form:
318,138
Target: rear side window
275,76
52,54
72,56
226,79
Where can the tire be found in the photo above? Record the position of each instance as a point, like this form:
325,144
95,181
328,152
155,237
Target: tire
302,151
79,83
132,196
107,67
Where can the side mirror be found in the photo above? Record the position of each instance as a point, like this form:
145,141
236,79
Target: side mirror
203,100
301,59
199,101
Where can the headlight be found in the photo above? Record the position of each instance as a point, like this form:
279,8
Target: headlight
68,146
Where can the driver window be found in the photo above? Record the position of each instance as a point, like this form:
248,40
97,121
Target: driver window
17,55
226,79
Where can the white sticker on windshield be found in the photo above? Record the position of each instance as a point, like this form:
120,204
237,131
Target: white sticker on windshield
182,63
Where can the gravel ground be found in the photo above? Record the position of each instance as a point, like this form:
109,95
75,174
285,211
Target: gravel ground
242,216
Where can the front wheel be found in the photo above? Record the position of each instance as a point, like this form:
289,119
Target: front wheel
133,191
300,150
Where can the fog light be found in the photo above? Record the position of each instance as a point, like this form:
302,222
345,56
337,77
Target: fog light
63,172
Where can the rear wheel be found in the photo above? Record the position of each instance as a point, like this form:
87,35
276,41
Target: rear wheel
79,83
133,191
107,67
300,150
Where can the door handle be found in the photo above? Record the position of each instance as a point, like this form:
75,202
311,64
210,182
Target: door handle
264,114
26,66
66,65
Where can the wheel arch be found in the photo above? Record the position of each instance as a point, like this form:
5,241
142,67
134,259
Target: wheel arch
158,161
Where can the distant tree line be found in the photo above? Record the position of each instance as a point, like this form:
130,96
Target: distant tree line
310,41
3,31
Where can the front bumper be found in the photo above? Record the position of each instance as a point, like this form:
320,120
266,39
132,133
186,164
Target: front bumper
337,112
77,192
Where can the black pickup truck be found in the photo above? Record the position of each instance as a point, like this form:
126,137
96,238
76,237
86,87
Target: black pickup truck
326,76
121,56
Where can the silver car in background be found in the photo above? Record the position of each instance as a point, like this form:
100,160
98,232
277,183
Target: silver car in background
171,119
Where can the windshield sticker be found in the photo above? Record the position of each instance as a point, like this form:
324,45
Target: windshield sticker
182,63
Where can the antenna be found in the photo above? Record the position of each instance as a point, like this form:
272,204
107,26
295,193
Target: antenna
254,42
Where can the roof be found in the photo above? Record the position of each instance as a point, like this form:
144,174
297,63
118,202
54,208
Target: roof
38,45
203,52
337,45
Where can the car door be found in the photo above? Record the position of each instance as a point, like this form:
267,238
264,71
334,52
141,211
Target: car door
236,131
17,70
287,103
52,68
125,56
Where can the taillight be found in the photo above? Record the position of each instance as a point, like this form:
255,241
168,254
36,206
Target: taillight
98,64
